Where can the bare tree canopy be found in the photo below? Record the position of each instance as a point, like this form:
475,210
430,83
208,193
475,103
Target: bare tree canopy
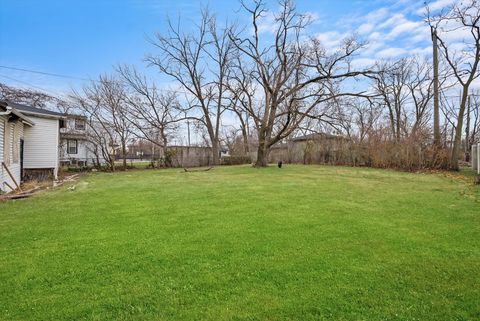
198,61
293,74
464,64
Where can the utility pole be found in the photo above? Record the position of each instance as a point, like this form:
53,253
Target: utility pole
436,107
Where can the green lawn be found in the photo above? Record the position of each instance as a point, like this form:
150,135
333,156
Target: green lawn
238,243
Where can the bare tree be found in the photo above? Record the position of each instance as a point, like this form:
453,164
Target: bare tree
198,62
465,16
35,98
295,75
242,96
422,89
154,113
391,86
103,101
472,127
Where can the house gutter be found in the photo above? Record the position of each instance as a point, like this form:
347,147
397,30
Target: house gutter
7,112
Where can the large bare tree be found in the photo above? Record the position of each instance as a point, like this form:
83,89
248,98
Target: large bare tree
461,16
154,112
294,73
104,103
198,61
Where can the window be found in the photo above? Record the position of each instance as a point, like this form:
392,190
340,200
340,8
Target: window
72,146
79,124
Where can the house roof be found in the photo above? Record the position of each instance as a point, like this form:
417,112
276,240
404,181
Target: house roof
17,113
34,111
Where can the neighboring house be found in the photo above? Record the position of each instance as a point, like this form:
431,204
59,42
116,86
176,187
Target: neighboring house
13,126
41,142
75,148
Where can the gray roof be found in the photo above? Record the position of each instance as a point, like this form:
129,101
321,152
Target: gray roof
14,111
33,110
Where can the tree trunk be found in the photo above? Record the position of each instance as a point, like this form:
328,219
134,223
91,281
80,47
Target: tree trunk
124,155
245,141
215,153
262,155
458,131
166,156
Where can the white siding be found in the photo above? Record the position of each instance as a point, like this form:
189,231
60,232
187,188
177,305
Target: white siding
14,167
82,152
41,144
2,135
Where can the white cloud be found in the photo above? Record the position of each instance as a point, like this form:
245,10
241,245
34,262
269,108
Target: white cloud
331,39
365,28
440,4
406,26
390,53
392,21
362,62
267,24
377,15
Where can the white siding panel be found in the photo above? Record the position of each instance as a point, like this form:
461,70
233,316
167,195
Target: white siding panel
2,137
41,144
14,168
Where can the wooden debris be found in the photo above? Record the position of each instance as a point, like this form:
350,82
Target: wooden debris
11,175
197,170
9,186
29,192
23,194
15,196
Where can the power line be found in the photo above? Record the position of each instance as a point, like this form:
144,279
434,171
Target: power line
34,86
44,73
69,77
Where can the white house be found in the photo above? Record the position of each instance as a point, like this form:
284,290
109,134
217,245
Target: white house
41,142
34,141
75,148
13,125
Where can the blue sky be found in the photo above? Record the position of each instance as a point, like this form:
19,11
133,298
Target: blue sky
86,38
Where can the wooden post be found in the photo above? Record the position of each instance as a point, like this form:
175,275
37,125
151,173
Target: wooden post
11,175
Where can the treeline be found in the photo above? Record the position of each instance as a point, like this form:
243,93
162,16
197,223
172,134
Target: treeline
415,112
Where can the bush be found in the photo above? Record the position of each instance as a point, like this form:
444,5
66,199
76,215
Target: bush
235,160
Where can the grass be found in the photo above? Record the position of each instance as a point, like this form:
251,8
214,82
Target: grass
237,243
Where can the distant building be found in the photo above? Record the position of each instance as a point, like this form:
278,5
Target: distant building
34,143
75,147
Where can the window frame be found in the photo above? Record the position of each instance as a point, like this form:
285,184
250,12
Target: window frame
69,141
78,122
